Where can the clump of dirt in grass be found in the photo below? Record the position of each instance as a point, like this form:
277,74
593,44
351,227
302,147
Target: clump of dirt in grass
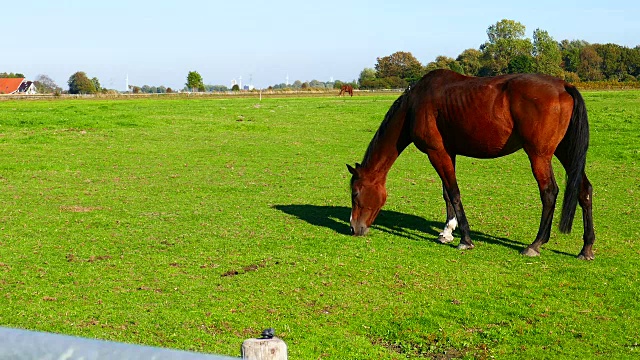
245,269
93,258
230,273
71,257
431,346
437,353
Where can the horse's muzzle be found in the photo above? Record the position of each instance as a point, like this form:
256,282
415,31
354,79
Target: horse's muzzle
359,230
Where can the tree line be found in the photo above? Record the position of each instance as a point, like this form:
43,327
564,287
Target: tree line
508,51
195,83
11,75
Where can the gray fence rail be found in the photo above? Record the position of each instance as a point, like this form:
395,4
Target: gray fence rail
30,345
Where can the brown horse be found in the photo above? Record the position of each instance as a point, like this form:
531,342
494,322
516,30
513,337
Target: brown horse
447,114
346,89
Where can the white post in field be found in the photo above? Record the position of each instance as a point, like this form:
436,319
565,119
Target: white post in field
268,347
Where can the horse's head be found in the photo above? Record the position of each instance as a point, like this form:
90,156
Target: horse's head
367,198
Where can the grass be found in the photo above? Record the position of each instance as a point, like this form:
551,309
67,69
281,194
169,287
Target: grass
196,223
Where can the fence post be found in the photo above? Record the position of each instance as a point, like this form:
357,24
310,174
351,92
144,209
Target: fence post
267,347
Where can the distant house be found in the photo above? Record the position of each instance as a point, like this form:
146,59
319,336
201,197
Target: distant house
27,87
17,86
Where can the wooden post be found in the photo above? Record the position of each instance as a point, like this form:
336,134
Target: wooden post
265,348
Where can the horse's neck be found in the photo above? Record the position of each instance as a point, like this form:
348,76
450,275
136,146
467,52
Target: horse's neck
387,145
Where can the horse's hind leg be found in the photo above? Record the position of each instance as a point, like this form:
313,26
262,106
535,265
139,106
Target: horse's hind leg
589,237
543,172
585,197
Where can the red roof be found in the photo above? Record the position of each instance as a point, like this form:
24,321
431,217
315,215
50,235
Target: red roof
10,85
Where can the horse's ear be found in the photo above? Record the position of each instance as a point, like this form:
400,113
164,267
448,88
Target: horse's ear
358,166
352,170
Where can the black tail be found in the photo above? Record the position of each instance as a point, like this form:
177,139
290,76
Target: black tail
575,143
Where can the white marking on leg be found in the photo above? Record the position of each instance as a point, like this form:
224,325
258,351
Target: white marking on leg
447,233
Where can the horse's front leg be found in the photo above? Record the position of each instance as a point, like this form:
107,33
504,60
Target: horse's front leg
444,164
446,236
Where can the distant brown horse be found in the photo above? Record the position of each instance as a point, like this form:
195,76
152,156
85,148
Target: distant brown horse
346,89
447,114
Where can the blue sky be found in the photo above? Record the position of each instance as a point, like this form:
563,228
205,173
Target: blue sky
157,42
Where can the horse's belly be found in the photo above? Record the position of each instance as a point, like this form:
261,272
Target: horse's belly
484,141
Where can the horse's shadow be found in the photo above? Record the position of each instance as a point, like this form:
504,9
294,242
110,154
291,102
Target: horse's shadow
404,225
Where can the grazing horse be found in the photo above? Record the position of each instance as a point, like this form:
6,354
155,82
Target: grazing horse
447,114
346,89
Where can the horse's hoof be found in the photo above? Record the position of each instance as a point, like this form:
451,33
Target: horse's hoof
530,252
588,257
463,246
444,240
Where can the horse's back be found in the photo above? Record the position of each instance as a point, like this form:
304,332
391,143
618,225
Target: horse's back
489,117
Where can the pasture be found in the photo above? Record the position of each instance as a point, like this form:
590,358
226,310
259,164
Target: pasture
195,223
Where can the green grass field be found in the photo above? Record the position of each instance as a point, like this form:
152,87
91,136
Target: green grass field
195,223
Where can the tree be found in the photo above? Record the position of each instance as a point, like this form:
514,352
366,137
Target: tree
612,66
571,54
366,76
373,83
96,84
546,54
219,88
11,75
506,41
400,64
444,62
46,85
571,77
79,83
590,64
369,83
194,81
315,84
631,60
394,82
521,64
469,60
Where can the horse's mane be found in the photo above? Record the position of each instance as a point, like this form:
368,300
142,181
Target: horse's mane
384,125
